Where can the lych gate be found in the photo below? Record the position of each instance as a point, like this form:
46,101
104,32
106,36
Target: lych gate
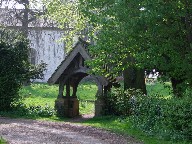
68,74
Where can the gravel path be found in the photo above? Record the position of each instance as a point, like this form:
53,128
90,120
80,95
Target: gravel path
22,131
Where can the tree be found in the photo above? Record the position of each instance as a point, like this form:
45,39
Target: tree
143,34
164,36
69,18
156,34
103,25
15,68
20,15
23,12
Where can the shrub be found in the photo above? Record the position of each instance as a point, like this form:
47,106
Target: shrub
121,102
147,112
14,58
32,111
178,115
14,66
167,118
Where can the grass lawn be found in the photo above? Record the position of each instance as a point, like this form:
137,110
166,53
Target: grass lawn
124,126
45,95
39,94
160,88
2,141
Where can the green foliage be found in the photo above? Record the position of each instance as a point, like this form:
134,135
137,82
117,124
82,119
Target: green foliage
13,53
22,109
87,91
2,141
157,114
124,126
156,34
178,115
166,118
120,102
15,68
69,18
147,112
161,88
38,100
86,107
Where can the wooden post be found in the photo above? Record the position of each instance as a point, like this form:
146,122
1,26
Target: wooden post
61,89
74,90
67,89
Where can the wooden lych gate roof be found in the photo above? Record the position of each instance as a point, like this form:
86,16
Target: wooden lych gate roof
73,68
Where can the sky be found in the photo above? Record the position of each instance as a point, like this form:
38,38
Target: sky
13,4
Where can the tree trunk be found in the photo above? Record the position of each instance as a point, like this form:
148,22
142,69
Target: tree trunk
177,87
134,78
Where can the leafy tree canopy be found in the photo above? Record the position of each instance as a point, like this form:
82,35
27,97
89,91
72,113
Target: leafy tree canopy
156,34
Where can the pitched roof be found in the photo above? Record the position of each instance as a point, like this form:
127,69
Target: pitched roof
80,47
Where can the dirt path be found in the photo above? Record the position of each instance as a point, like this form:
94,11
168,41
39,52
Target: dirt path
21,131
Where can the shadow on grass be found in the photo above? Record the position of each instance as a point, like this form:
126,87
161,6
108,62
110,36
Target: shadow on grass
15,114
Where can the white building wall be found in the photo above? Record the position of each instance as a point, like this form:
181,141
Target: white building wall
49,50
43,36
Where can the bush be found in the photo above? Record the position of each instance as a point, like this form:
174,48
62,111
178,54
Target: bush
178,115
32,111
14,59
167,118
15,68
147,112
120,102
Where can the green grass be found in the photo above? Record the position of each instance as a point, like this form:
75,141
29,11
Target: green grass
124,126
160,88
43,94
2,141
39,94
87,91
86,107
